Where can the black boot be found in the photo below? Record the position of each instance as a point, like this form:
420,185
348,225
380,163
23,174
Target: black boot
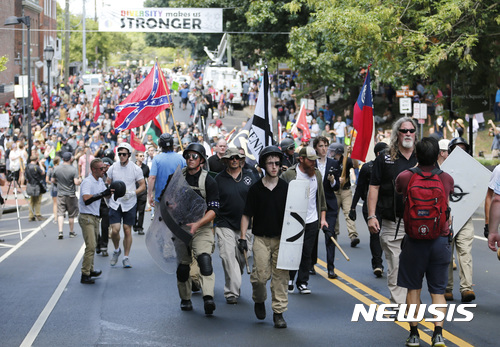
279,321
209,304
87,279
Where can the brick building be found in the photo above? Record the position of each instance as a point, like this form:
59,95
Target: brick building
14,42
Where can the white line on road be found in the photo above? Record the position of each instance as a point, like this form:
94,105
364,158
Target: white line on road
42,318
24,240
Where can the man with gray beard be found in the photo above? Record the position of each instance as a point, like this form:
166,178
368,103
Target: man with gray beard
385,208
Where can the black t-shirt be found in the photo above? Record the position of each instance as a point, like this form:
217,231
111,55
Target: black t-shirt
384,173
267,208
232,195
215,164
212,191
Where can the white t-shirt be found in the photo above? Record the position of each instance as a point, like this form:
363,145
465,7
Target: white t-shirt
339,127
495,180
129,174
312,212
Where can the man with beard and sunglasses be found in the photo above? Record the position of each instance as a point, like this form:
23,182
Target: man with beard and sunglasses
124,208
385,207
202,243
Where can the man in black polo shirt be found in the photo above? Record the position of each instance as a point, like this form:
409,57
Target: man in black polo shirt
385,208
233,183
214,162
266,204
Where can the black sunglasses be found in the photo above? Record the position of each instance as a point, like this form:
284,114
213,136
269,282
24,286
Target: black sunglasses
234,157
123,154
193,156
406,131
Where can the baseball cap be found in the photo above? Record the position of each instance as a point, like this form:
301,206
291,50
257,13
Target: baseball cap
232,152
66,156
308,152
443,144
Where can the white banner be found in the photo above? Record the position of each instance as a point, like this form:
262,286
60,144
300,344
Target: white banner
180,20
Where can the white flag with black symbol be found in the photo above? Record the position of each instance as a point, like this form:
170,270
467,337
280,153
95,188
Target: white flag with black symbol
261,131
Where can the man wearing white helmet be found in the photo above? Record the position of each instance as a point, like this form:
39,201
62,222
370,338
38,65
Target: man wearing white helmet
124,208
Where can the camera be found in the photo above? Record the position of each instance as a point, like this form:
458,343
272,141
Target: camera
3,169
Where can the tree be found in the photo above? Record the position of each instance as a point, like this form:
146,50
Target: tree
3,63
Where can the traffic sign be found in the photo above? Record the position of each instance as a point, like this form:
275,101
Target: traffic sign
405,105
404,92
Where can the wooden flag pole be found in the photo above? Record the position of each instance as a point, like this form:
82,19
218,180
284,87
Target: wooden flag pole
170,107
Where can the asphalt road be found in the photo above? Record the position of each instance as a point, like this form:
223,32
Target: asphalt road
44,304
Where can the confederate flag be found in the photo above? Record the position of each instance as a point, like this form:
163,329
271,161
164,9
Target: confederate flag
145,103
363,121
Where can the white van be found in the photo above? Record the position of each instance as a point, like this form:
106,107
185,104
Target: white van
91,84
225,77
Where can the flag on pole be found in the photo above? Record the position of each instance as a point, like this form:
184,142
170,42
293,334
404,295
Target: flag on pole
135,142
145,103
261,130
34,95
240,139
96,107
363,121
301,124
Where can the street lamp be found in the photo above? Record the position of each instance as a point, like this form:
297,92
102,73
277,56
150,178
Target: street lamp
48,54
26,20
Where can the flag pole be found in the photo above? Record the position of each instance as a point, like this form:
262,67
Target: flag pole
170,107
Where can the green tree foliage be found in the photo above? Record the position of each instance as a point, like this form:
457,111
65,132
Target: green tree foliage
99,45
3,63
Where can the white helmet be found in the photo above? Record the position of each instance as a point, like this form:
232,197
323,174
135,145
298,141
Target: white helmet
125,145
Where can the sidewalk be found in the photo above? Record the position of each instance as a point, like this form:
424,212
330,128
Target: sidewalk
22,200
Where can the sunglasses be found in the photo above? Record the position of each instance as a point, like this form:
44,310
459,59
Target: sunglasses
99,168
193,156
123,154
406,131
234,158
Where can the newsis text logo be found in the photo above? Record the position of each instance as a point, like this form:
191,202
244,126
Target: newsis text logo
383,313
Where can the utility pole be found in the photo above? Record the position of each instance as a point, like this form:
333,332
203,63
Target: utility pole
66,46
84,49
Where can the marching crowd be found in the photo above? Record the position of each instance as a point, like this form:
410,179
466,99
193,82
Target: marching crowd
245,205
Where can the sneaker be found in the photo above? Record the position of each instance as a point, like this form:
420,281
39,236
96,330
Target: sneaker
448,296
72,234
354,242
105,253
126,263
186,305
60,237
291,287
378,272
260,310
438,341
468,296
114,259
303,289
140,232
413,340
232,300
209,304
279,321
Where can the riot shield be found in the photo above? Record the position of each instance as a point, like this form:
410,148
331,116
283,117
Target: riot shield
161,246
181,205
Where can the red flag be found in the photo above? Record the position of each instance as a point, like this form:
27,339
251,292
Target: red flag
34,95
363,121
145,103
95,106
136,143
301,123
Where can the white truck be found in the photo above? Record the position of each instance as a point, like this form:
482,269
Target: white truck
223,77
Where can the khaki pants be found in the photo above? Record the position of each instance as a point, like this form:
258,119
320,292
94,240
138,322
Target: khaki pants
265,257
233,262
90,232
35,203
463,243
202,242
344,200
392,249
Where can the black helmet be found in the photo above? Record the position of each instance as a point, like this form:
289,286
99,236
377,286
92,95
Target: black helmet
274,150
379,147
456,141
107,161
336,148
119,187
108,153
286,143
165,141
198,148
